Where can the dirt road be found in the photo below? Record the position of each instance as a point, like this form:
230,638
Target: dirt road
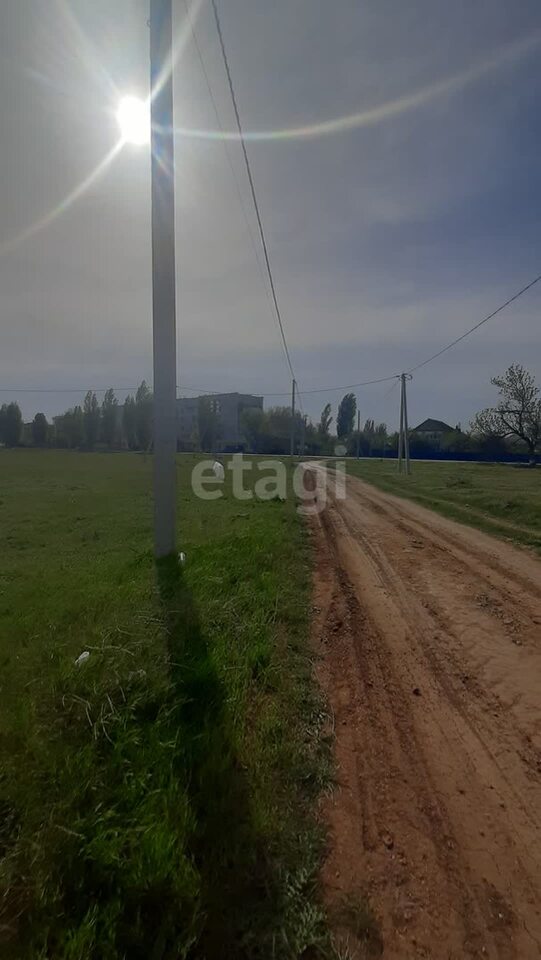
429,635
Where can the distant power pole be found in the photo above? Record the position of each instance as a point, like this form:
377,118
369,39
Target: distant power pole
403,437
358,434
406,432
292,441
163,276
400,427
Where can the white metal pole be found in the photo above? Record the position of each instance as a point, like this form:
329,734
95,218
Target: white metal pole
406,436
163,276
400,429
358,434
292,440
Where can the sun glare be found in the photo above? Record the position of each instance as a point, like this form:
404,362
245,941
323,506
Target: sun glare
133,117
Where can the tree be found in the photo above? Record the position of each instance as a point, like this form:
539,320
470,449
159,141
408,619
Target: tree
369,432
254,427
392,444
456,441
346,416
91,419
325,420
40,429
518,413
312,440
3,415
143,416
380,436
269,431
12,425
109,418
129,423
70,430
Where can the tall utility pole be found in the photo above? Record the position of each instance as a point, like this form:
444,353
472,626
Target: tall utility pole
292,441
358,434
400,426
403,437
163,276
406,433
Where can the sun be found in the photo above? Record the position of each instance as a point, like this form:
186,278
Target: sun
133,117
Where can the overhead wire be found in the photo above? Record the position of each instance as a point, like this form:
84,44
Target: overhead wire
376,404
285,393
253,193
477,325
227,152
271,283
267,261
180,387
92,389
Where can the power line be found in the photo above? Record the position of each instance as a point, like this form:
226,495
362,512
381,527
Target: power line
477,325
201,390
345,386
252,189
376,404
265,250
285,393
390,390
95,389
63,389
228,154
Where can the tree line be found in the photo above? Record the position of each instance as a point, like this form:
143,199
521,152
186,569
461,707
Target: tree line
85,426
512,426
269,431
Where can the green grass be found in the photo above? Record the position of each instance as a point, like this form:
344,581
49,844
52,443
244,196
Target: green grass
155,802
501,499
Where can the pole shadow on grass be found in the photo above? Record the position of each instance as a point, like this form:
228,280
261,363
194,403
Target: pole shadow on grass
235,885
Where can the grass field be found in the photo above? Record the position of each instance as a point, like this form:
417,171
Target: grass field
154,801
501,499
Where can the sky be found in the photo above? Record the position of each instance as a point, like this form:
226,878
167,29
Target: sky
390,233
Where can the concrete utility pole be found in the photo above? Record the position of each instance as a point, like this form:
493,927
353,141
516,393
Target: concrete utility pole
403,437
400,425
406,432
358,434
292,443
163,276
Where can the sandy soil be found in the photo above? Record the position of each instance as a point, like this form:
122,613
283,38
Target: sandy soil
429,636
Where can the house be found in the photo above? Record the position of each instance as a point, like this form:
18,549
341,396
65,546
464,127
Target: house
228,408
431,431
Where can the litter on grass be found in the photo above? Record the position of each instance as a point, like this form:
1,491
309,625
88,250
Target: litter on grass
219,471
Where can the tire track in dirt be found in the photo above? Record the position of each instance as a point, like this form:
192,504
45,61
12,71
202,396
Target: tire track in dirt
437,814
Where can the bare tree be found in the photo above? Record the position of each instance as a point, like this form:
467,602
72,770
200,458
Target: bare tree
518,413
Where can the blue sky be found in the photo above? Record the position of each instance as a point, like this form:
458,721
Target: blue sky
387,240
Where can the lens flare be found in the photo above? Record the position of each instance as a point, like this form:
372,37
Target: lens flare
133,117
504,57
47,219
